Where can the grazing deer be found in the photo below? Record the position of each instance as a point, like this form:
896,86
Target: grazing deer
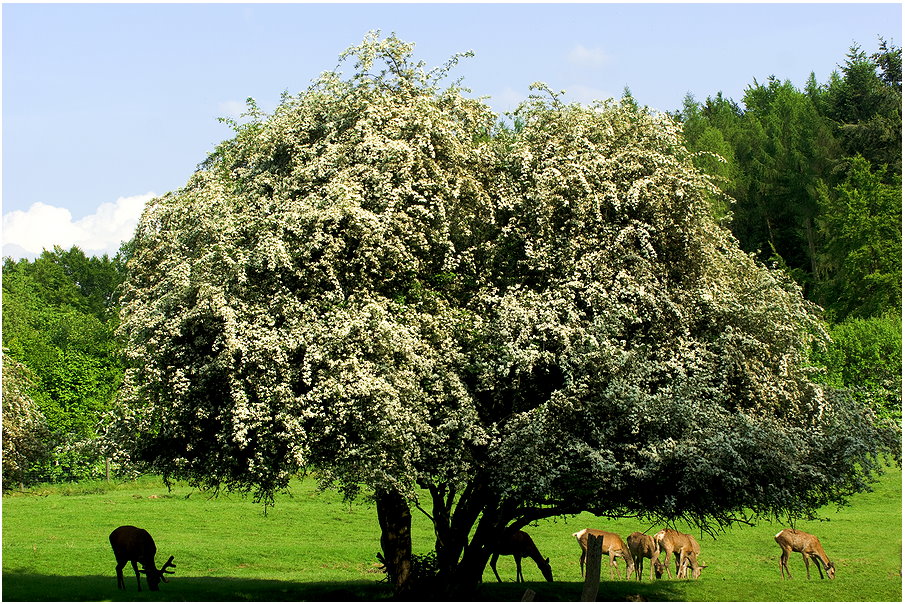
643,546
612,545
689,558
792,540
519,545
131,544
685,549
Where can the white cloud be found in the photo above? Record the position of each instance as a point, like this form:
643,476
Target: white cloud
42,226
588,57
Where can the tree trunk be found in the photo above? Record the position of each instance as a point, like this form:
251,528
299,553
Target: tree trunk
452,528
395,520
466,576
812,247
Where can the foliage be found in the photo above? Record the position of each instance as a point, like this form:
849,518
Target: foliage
423,573
866,359
378,284
865,103
59,316
802,164
26,439
715,154
862,222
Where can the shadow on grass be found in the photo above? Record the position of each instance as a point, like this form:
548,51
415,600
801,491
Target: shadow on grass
19,586
23,586
563,591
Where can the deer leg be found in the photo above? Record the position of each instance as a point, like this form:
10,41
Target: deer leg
667,561
493,560
807,564
581,562
784,564
519,577
137,575
120,581
819,564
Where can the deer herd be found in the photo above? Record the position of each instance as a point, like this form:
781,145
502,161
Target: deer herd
135,545
682,548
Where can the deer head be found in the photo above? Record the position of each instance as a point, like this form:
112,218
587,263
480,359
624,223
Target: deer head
545,569
155,576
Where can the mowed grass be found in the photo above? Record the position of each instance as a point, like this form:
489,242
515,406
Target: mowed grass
313,546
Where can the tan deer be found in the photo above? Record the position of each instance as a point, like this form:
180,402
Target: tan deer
135,545
612,545
689,559
792,540
642,546
520,545
686,550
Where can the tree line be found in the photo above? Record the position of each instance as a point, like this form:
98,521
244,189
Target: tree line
815,175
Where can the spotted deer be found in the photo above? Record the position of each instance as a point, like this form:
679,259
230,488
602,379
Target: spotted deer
612,546
792,540
135,545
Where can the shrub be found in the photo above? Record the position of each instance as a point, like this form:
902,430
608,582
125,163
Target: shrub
865,358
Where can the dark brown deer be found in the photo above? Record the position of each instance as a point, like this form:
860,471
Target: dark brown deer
135,545
519,545
792,540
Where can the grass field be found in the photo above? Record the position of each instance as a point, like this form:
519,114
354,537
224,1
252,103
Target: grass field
312,546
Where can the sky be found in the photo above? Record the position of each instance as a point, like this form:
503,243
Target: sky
105,106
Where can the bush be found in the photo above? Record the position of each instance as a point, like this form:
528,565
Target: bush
25,432
865,358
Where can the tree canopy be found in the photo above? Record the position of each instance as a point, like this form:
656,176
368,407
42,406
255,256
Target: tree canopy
382,285
59,316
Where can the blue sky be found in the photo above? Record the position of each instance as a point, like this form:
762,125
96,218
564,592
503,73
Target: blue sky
106,105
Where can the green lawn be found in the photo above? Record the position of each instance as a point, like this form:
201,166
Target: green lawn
312,546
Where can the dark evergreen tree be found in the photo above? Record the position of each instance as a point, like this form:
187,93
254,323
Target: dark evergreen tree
865,104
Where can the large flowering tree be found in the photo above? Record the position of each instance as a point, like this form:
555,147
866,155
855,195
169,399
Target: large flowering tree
379,285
